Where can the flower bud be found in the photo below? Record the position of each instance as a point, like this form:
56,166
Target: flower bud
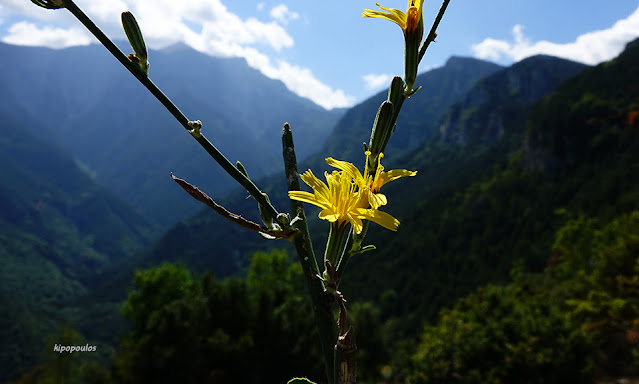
382,128
413,35
136,40
50,4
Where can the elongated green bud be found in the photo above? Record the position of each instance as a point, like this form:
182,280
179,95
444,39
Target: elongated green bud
381,129
411,60
136,40
240,167
413,39
50,4
396,90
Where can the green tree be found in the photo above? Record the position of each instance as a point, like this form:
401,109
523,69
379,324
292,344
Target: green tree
576,322
66,367
605,266
204,330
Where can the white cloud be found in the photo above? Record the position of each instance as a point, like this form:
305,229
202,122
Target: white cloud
260,6
375,81
590,48
299,80
165,22
25,33
282,14
302,82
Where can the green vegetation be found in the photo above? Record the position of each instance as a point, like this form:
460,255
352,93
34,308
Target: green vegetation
60,235
576,321
529,242
207,330
495,206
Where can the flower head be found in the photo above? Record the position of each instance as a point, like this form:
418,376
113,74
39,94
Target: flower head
348,196
408,21
413,27
369,185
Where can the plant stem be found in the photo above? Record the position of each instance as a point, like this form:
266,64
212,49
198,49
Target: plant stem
353,247
433,30
172,108
334,243
322,302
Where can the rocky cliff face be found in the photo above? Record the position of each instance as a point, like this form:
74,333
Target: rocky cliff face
584,116
417,123
495,105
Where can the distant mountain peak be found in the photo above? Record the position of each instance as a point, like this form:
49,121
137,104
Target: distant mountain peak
486,113
455,61
177,47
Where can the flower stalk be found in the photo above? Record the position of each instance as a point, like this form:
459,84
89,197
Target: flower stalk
433,30
349,199
322,302
135,70
334,243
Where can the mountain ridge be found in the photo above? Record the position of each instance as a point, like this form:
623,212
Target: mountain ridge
127,141
440,87
60,236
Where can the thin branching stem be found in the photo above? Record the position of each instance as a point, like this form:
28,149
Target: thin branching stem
172,108
433,30
322,302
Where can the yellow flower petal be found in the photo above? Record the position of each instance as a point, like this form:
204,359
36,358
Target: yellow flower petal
345,166
306,198
329,215
394,15
386,177
407,21
382,218
357,224
376,200
350,196
318,185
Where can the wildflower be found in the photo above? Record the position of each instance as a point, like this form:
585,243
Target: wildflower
341,201
349,196
370,185
412,25
408,21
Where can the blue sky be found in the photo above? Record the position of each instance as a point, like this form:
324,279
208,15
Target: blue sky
325,50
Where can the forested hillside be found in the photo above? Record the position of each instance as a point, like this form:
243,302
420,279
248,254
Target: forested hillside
61,235
90,106
515,261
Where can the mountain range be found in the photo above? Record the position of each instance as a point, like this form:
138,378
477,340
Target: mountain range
83,100
498,151
60,235
428,152
87,185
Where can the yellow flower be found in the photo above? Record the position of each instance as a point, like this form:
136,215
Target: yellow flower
350,196
413,28
340,201
407,21
369,186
